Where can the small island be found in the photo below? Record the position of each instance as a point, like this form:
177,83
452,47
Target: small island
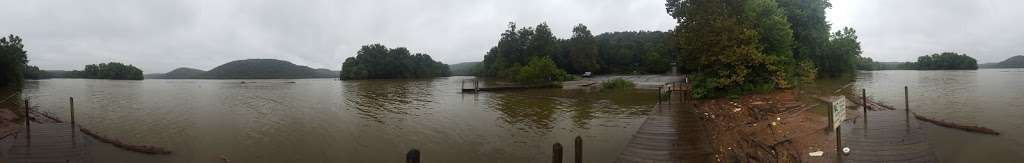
112,70
938,61
378,62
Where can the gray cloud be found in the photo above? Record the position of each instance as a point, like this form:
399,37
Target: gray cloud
161,35
901,30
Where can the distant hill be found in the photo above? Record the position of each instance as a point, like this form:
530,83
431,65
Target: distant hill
464,68
183,73
262,69
250,69
1012,62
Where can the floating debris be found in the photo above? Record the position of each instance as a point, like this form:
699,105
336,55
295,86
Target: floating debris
975,129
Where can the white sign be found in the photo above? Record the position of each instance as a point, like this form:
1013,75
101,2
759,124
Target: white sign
838,111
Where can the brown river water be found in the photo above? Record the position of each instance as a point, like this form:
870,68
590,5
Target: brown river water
326,120
992,98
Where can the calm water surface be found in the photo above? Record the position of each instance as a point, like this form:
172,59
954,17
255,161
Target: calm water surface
993,98
324,120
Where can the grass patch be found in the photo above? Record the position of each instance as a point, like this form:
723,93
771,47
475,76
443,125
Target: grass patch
617,83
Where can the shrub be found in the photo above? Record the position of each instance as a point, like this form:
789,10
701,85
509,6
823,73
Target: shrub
617,83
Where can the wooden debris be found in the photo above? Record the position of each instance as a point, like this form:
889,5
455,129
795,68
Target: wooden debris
975,129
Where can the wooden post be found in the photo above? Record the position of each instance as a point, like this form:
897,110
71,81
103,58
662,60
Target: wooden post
864,92
413,156
556,151
839,141
579,150
28,124
74,135
906,102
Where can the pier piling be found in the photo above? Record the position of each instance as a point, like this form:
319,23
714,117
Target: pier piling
413,156
578,150
556,151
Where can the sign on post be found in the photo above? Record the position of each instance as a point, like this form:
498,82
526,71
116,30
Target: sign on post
838,110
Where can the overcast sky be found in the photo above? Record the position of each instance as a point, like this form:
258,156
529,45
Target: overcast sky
162,35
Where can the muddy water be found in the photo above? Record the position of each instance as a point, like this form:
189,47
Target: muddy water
992,98
324,120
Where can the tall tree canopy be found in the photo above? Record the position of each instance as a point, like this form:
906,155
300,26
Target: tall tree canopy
378,62
583,50
737,45
112,70
752,45
522,52
13,61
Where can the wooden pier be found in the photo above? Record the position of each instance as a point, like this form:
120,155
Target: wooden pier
887,136
671,133
48,142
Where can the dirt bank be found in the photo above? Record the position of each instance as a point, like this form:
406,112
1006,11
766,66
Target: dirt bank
772,127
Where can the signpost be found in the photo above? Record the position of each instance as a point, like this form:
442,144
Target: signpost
838,114
838,111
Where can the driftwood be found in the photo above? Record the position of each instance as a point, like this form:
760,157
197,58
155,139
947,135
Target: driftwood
146,149
975,129
135,148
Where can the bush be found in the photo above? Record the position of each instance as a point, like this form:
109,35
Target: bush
617,83
540,70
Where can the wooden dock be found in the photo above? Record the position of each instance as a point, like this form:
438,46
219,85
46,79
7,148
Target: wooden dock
887,136
48,142
671,133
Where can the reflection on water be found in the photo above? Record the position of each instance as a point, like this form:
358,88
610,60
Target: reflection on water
323,120
986,97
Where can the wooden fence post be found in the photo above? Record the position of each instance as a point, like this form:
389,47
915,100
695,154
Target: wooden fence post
579,150
413,156
74,134
556,151
864,92
28,124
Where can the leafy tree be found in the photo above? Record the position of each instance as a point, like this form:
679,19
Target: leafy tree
583,50
841,55
13,61
540,70
737,45
378,62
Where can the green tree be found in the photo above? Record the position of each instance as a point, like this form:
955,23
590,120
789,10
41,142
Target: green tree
583,50
112,70
842,54
738,45
13,61
378,62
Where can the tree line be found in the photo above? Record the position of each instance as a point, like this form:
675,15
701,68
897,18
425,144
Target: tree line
739,46
521,49
112,70
937,61
378,62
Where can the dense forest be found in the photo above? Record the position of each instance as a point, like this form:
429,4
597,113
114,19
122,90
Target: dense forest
378,62
639,52
740,46
13,61
465,68
939,61
112,70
